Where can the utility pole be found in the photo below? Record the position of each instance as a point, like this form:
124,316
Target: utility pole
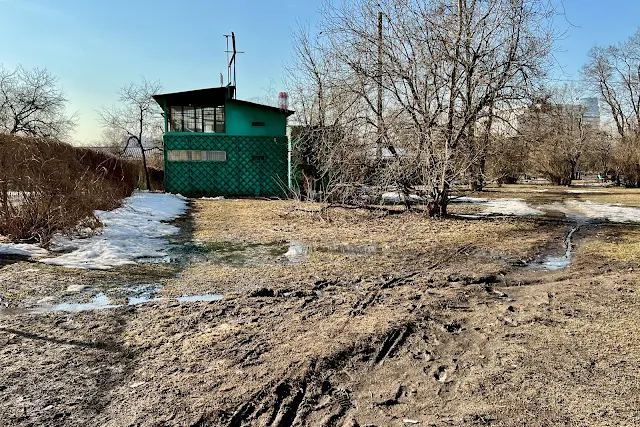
380,121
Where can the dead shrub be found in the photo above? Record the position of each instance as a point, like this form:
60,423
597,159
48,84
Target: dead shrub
626,161
49,187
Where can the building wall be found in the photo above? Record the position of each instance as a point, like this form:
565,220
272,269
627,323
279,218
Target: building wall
254,166
240,117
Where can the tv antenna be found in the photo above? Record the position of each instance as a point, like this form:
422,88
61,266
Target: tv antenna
231,62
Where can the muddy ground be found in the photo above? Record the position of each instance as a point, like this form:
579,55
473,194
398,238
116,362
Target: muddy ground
349,318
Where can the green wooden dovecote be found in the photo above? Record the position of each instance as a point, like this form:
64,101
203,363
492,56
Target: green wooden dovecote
215,145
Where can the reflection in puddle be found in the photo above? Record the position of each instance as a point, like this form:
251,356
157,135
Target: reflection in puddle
230,253
197,298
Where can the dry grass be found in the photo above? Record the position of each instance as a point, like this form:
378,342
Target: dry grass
404,242
561,350
58,187
623,246
254,221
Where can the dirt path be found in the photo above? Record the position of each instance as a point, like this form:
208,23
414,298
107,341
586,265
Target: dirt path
441,327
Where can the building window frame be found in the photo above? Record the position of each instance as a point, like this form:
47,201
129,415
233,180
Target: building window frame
209,156
187,118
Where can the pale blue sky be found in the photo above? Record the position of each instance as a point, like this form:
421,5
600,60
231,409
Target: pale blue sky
95,47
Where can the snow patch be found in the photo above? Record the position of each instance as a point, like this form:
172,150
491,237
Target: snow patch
465,199
22,249
611,212
516,207
136,230
396,197
500,206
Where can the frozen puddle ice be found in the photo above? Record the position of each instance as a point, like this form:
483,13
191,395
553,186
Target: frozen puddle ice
98,302
101,301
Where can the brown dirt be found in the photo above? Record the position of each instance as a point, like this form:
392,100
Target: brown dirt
438,326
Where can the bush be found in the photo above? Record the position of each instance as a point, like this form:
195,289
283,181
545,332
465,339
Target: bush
49,187
626,161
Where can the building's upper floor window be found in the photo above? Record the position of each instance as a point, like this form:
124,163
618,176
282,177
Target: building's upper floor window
196,119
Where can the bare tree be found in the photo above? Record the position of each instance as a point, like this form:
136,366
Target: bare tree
31,104
138,117
614,73
445,66
559,134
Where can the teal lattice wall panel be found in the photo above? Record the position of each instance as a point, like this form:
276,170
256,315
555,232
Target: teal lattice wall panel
255,166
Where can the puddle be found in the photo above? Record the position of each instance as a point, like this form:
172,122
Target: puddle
144,295
248,254
197,298
298,251
553,263
106,299
228,253
98,302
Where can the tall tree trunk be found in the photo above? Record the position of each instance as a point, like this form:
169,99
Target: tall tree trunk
450,143
482,158
144,155
4,196
144,161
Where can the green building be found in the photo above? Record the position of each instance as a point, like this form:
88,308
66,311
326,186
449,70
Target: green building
217,145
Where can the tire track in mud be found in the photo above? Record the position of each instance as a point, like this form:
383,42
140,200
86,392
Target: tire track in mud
392,342
318,392
328,388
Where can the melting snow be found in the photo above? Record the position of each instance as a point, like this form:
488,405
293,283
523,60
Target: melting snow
465,199
396,197
501,206
22,249
510,207
136,230
611,212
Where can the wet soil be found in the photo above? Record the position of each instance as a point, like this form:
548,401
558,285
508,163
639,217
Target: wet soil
438,324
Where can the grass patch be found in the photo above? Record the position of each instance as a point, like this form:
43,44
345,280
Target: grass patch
621,247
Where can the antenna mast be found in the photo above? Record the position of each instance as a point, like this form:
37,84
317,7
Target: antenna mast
231,62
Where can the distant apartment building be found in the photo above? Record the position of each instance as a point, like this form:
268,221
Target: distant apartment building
591,112
509,122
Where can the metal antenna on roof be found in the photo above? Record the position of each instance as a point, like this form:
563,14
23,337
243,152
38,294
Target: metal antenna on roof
231,61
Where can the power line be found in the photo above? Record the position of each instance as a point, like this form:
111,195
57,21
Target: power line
583,80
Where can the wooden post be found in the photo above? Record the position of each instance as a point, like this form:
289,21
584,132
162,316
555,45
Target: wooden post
380,121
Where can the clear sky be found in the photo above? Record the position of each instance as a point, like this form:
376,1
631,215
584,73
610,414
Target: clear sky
96,46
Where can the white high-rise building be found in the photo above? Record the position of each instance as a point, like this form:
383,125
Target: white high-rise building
592,110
